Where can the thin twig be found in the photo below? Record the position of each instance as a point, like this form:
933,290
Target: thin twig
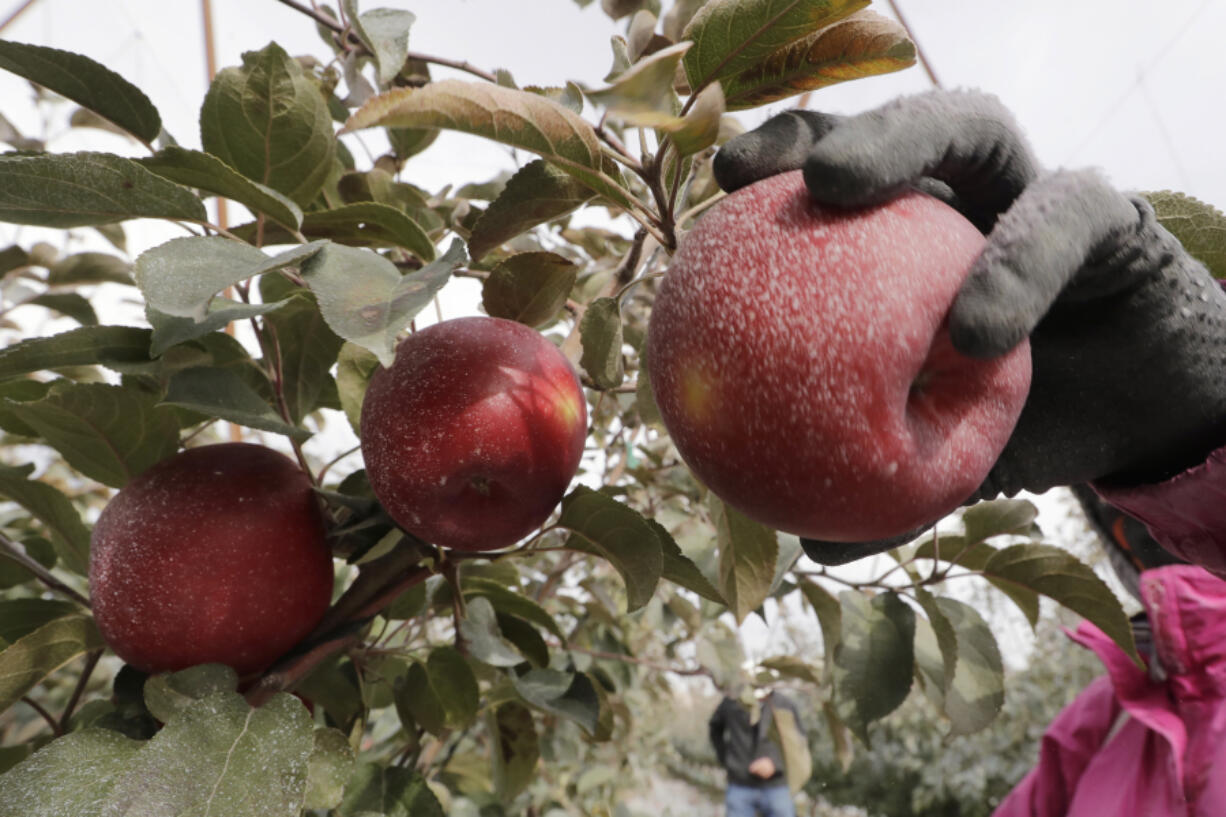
14,551
330,22
37,707
17,12
86,672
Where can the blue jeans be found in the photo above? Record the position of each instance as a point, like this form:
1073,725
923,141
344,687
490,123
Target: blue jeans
764,801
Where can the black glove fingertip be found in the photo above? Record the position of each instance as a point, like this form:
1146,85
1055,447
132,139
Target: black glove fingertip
778,145
840,553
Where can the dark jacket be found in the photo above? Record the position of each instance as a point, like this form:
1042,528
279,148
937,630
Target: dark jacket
738,742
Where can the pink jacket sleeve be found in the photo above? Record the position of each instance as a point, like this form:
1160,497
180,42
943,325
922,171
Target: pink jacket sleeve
1068,745
1186,514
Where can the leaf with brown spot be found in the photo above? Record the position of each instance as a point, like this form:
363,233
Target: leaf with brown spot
862,45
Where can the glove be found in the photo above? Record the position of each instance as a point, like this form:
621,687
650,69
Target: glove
1127,331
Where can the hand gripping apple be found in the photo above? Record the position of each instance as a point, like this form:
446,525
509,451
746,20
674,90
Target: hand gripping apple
1127,331
801,361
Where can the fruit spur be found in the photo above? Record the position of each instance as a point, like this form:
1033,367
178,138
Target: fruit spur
801,360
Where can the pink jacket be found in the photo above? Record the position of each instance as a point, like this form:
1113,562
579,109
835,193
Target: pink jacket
1130,746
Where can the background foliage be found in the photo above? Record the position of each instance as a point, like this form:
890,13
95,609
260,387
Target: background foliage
539,680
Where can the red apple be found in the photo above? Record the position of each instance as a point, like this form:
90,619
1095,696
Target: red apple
801,360
216,554
474,433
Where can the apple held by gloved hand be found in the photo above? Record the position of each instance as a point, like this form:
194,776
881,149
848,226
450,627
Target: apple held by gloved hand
473,434
801,360
217,554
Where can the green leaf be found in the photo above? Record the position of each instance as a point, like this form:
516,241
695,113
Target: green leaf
89,268
112,346
57,514
521,119
518,118
417,701
206,172
643,94
20,617
600,330
569,96
789,666
678,17
269,121
525,638
699,128
170,331
976,692
941,671
65,190
221,755
529,287
361,224
364,298
511,603
538,193
975,555
862,45
328,770
354,368
829,617
70,776
85,82
1055,573
680,569
385,33
222,393
108,433
872,664
731,36
307,348
618,533
21,390
456,685
999,517
1200,227
180,277
390,791
747,555
516,749
479,629
68,304
571,695
168,695
31,658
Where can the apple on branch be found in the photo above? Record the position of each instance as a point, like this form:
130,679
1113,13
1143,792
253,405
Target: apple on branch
802,364
217,554
473,434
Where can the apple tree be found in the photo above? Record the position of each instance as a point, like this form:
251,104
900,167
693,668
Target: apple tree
530,679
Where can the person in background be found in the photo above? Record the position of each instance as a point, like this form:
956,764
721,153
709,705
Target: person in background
744,734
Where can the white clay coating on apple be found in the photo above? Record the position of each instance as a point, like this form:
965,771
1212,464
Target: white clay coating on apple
801,363
472,436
